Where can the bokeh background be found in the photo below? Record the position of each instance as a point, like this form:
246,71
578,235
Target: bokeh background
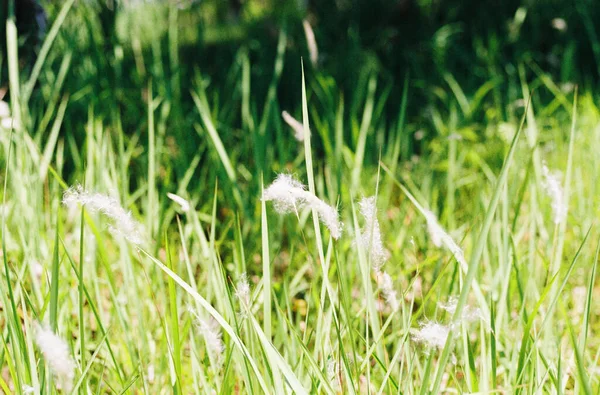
442,50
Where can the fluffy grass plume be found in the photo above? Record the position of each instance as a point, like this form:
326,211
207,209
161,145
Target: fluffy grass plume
371,234
242,294
555,191
432,334
386,285
57,355
290,196
213,337
469,313
123,224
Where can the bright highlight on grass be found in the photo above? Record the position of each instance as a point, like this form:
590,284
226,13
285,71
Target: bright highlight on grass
439,238
184,205
294,124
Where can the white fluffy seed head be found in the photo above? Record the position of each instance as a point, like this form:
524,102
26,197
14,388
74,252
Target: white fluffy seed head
386,285
242,293
440,237
296,126
289,196
311,42
450,305
286,193
555,191
371,234
123,223
56,353
211,331
432,334
183,204
469,313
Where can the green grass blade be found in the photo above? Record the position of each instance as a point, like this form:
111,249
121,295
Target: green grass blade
41,57
266,262
214,313
477,253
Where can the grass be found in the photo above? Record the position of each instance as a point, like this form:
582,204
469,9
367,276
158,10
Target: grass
316,320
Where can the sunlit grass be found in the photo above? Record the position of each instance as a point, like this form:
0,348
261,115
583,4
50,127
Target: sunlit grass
298,307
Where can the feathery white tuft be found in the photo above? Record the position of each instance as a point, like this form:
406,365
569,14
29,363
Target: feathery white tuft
311,43
183,204
212,335
554,190
386,285
450,305
27,389
432,334
242,293
469,313
289,195
439,237
294,124
56,353
371,235
123,223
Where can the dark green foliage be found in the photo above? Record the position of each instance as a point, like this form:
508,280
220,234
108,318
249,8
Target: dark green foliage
465,59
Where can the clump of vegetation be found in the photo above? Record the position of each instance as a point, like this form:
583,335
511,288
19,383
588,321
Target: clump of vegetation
183,253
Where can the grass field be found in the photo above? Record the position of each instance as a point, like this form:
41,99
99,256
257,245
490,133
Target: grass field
472,269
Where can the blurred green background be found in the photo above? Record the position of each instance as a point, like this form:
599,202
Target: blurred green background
461,62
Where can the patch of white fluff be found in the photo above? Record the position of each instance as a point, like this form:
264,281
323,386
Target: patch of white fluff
123,223
440,237
371,234
183,204
242,293
432,334
311,42
56,353
555,191
9,123
27,389
4,109
294,124
289,196
386,285
211,331
469,314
